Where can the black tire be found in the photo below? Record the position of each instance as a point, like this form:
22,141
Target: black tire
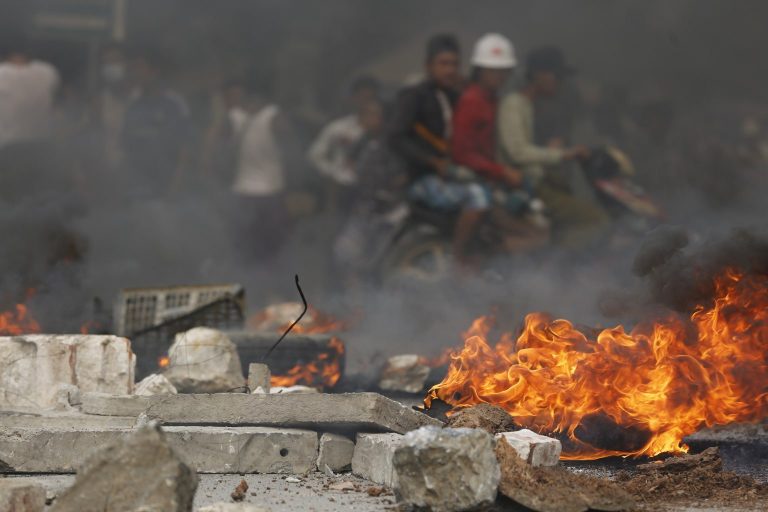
419,260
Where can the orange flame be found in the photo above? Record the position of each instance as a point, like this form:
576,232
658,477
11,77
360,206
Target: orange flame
667,379
324,371
18,321
163,361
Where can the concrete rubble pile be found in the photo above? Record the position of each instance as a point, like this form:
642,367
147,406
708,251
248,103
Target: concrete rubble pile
155,439
405,373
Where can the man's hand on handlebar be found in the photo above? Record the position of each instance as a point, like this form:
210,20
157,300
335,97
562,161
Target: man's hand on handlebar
512,177
577,153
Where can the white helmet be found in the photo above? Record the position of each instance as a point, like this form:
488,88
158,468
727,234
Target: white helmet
494,51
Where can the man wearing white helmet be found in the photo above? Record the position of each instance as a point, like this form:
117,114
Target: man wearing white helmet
473,141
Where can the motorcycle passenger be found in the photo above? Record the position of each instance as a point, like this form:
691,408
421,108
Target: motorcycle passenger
579,220
473,146
419,133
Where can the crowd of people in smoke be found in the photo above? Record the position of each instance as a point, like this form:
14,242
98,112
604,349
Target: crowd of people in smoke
457,145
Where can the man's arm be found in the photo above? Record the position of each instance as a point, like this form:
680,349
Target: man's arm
514,141
319,153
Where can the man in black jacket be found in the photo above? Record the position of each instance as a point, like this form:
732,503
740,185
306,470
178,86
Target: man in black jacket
419,134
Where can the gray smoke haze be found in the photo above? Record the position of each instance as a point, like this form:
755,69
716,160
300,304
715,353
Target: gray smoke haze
699,59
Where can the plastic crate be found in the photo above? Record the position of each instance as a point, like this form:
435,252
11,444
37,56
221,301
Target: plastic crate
138,309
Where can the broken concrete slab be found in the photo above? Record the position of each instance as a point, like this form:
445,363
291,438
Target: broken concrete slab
40,418
555,489
372,457
447,469
204,449
136,472
155,384
21,496
404,373
204,360
359,411
33,366
335,452
535,449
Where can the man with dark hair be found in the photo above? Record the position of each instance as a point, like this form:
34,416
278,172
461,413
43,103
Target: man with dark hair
578,220
419,133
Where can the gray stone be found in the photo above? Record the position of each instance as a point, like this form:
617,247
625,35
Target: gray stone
447,469
21,496
204,360
204,449
155,384
404,373
372,458
67,397
138,472
335,452
259,376
233,507
34,367
359,411
535,449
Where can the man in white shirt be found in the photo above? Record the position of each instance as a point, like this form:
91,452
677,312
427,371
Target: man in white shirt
332,151
27,89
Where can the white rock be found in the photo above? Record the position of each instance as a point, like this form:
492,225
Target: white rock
66,397
155,384
536,449
292,389
204,360
335,452
259,376
404,373
447,469
32,367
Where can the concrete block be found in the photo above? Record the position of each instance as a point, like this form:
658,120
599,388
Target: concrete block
33,367
155,384
447,469
335,452
358,411
404,373
21,496
259,376
204,360
533,448
204,449
372,458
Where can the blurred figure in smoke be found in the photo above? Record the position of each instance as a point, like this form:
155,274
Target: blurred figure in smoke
27,89
112,100
156,128
260,182
332,152
579,219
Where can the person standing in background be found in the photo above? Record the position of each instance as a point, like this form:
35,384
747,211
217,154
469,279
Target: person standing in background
156,129
27,90
332,151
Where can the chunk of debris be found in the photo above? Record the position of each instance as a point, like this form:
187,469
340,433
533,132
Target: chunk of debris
372,457
259,376
240,491
66,397
335,452
342,486
404,373
447,469
233,507
204,360
708,459
33,366
375,491
535,449
285,390
554,489
150,475
21,496
491,418
155,384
